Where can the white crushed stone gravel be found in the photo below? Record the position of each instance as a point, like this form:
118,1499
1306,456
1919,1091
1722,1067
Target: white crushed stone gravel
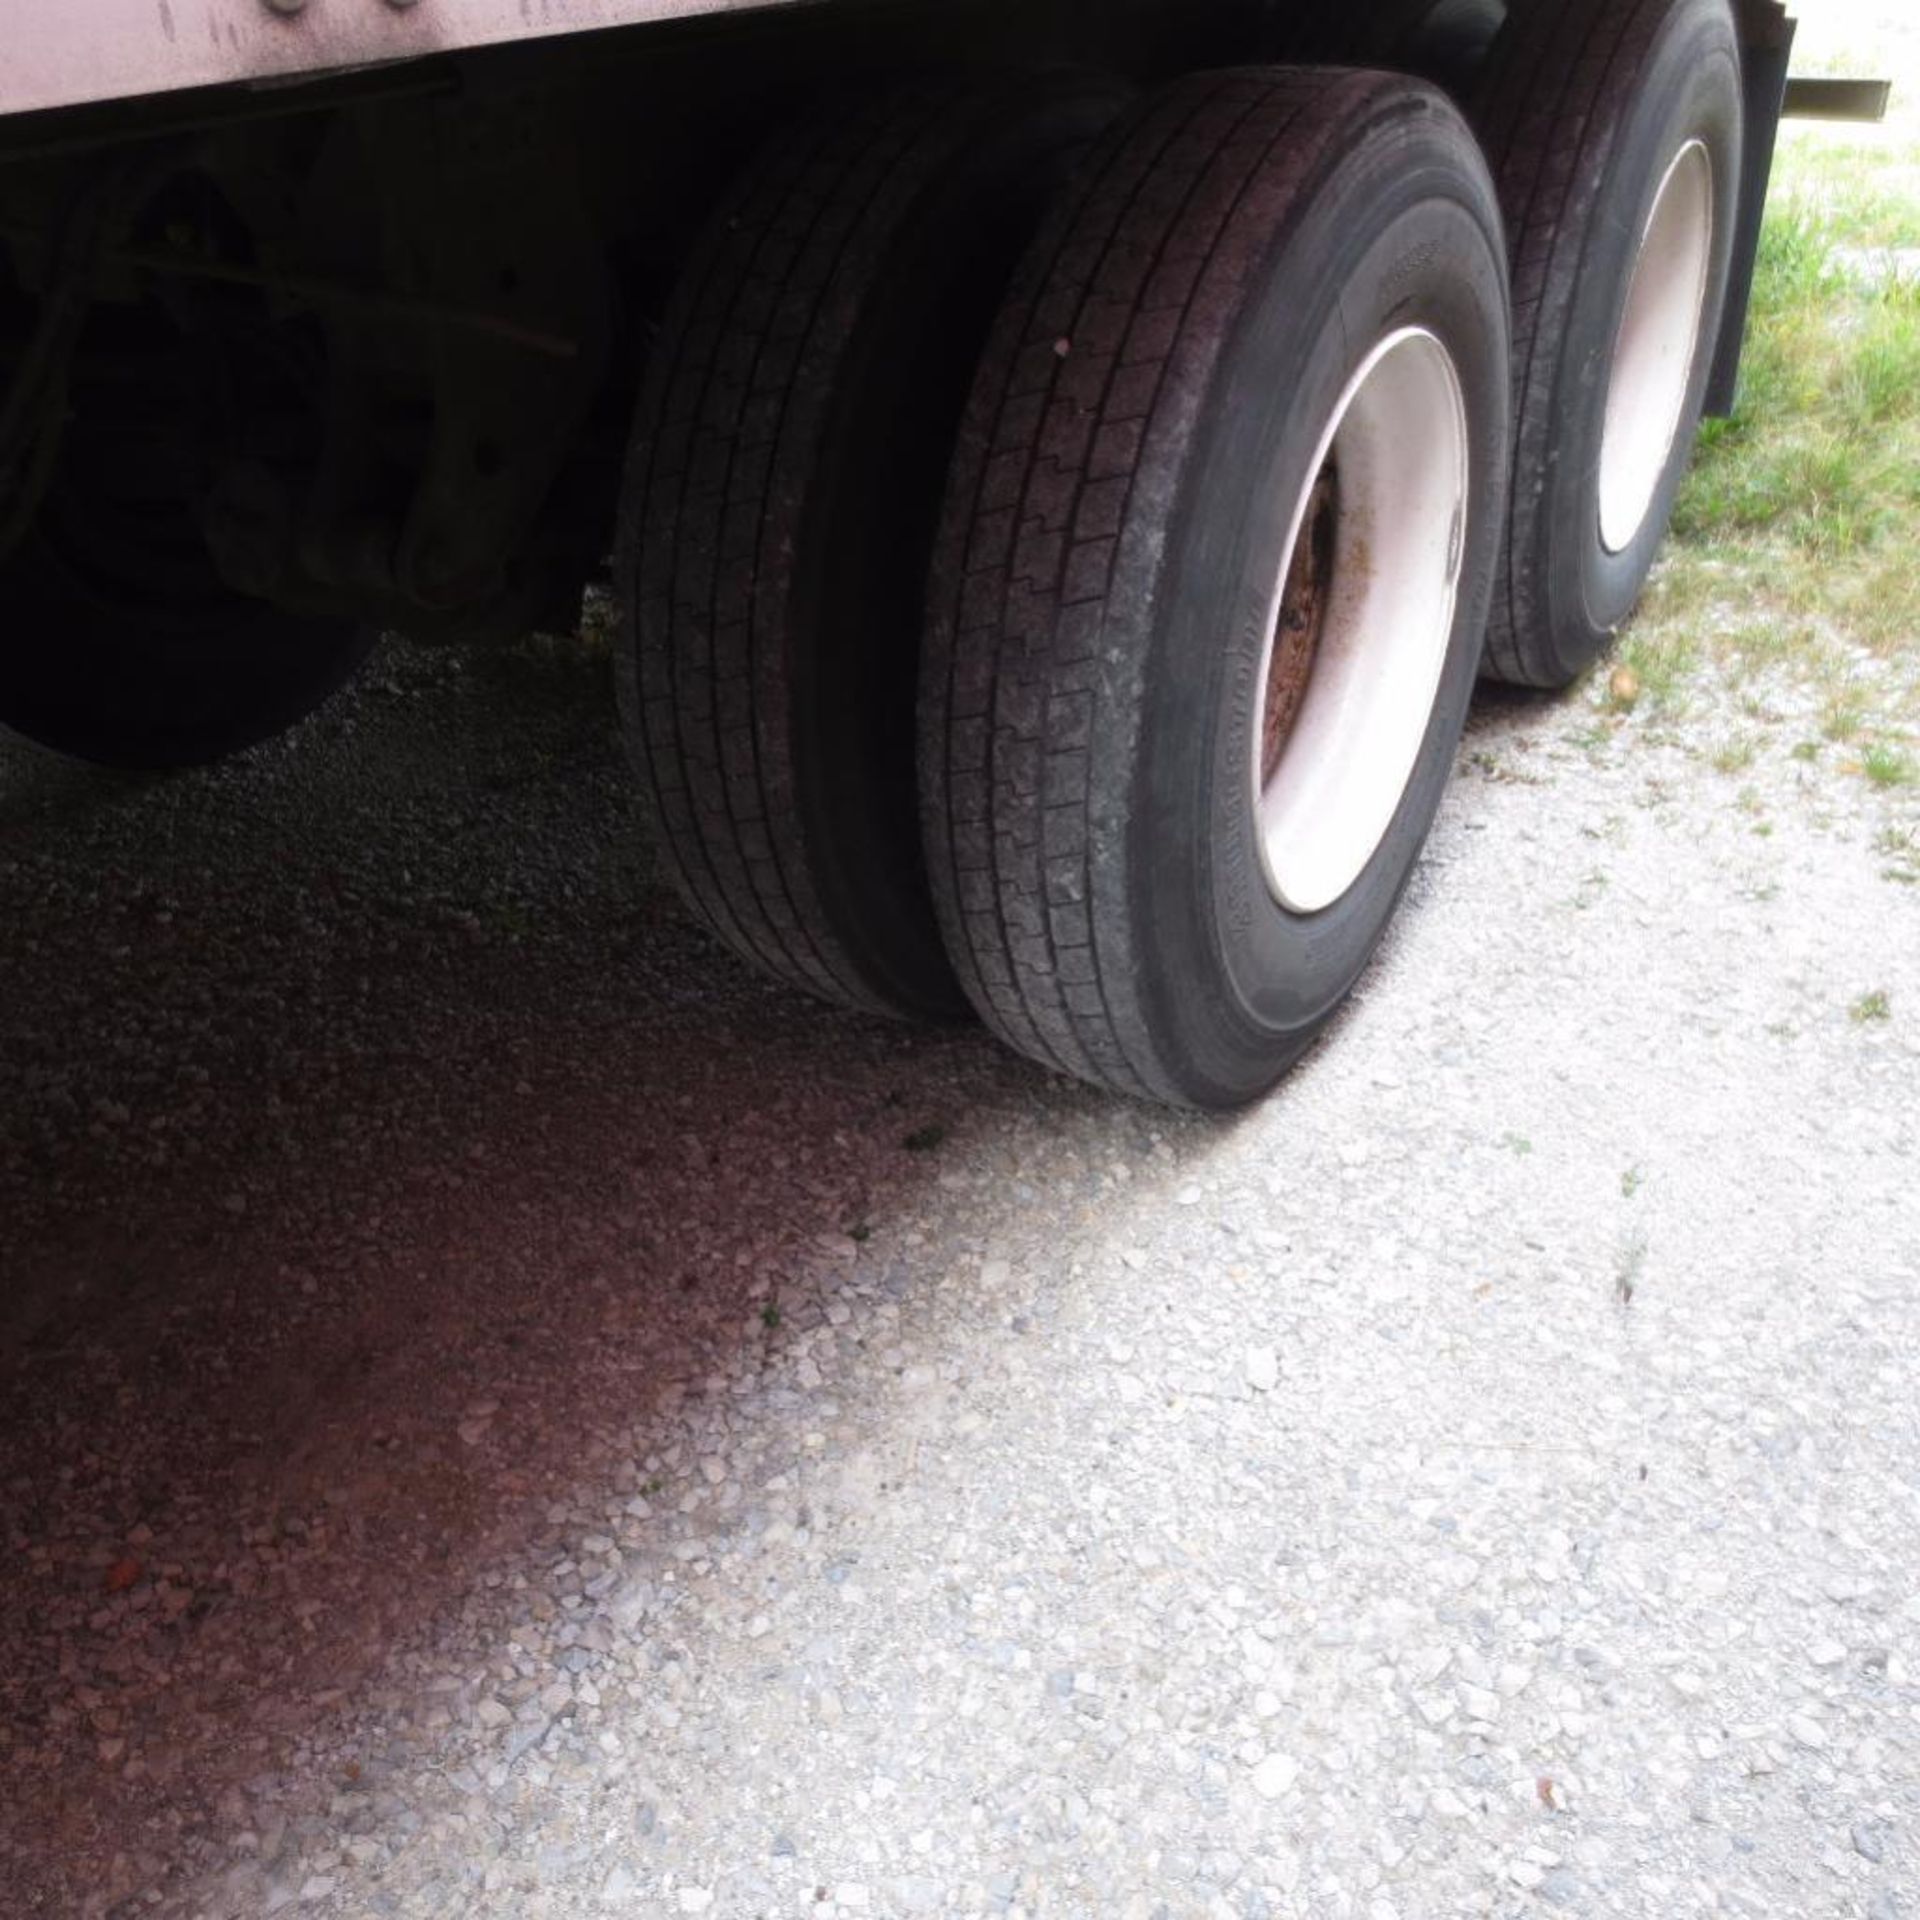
499,1421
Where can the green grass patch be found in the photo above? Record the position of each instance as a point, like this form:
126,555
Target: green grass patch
1900,847
1661,653
1796,544
1842,714
1822,458
1887,765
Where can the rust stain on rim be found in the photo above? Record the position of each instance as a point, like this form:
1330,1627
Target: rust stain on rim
1301,620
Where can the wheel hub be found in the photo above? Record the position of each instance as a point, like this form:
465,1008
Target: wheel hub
1362,620
1303,617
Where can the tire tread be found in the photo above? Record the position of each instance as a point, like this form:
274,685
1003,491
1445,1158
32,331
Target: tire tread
1137,279
735,394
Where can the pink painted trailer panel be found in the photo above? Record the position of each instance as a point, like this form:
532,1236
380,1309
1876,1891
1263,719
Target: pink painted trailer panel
61,53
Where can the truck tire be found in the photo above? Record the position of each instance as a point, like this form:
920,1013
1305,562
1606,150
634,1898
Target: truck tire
122,644
1208,595
95,669
1614,129
793,437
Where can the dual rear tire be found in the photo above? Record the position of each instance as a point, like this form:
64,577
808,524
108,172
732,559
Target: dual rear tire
1130,741
782,494
1207,362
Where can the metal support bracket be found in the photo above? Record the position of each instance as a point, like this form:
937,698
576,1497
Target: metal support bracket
1863,102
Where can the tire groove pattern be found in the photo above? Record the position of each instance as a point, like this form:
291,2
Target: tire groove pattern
1051,792
960,708
654,658
735,397
1065,465
986,702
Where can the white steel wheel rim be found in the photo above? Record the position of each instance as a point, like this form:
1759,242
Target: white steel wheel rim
1655,350
1360,619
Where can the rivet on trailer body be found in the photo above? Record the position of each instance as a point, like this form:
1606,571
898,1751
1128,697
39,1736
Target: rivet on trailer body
285,7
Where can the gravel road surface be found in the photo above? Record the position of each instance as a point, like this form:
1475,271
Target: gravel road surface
506,1416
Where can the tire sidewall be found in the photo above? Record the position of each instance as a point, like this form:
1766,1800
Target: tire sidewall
1688,89
1243,982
